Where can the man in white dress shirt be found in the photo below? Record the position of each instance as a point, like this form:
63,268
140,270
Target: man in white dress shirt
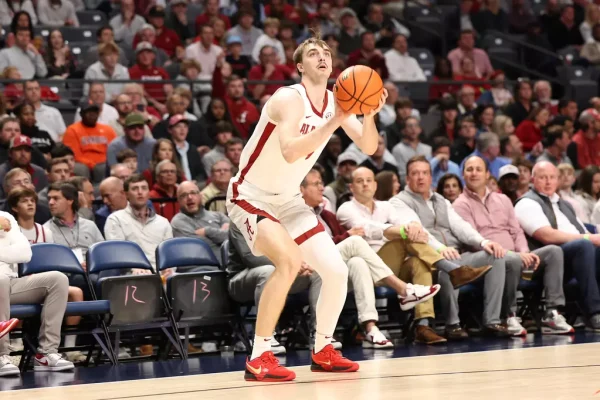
400,65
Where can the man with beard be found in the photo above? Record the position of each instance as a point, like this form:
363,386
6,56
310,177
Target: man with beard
9,129
20,157
346,164
135,140
88,139
508,181
124,107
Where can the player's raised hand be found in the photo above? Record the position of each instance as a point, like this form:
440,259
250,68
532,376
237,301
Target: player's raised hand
340,114
382,99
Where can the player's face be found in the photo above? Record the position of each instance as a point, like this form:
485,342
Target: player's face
316,61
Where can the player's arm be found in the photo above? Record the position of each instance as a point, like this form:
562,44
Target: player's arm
286,107
365,135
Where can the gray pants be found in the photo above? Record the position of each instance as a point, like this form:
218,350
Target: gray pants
551,269
48,288
492,291
248,285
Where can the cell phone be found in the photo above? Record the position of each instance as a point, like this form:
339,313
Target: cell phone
140,107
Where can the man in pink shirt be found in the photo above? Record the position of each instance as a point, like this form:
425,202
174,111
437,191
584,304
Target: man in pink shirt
492,214
466,48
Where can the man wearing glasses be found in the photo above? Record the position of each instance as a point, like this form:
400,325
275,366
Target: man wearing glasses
134,139
19,178
194,221
220,175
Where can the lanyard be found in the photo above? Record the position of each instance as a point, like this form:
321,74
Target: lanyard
64,237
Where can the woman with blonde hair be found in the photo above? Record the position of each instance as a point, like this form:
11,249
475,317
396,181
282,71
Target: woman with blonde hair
503,126
592,17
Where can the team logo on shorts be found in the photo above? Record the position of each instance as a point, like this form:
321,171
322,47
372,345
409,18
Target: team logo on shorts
249,228
328,115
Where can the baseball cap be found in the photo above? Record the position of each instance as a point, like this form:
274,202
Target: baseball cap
233,39
87,104
143,46
157,11
345,157
147,26
347,11
507,170
175,119
134,119
19,141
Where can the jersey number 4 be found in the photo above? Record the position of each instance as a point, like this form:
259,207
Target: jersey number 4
304,130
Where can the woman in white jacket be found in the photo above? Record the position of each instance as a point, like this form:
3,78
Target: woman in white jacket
9,8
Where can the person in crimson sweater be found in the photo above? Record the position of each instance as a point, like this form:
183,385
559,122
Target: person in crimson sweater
530,130
584,149
211,10
243,113
165,188
145,70
267,70
166,39
368,55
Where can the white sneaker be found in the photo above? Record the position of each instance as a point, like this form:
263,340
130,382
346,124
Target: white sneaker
514,327
51,362
416,294
76,356
554,323
376,340
336,345
7,368
276,347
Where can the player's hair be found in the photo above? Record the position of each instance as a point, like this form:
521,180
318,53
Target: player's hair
316,40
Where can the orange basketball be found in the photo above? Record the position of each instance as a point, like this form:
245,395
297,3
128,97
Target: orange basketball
358,89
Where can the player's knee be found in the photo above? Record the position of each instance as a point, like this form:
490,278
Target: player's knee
289,265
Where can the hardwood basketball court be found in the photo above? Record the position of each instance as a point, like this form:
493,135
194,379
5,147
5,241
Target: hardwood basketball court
552,372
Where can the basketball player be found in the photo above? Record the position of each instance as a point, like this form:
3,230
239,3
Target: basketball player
265,203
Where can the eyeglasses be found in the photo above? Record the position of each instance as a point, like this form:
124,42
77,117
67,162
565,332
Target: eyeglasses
168,171
22,182
221,170
316,184
185,195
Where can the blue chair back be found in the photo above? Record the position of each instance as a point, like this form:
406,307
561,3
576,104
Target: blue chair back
225,253
116,255
51,257
184,252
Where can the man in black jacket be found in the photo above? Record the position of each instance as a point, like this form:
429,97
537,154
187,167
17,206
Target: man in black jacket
187,153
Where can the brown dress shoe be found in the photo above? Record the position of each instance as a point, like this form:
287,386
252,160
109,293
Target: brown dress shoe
465,274
426,335
496,330
455,332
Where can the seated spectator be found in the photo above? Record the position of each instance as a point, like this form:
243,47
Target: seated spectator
149,34
47,118
376,162
568,109
224,133
22,204
492,214
387,114
127,23
9,129
57,13
508,181
547,219
211,10
136,93
188,155
588,190
466,100
503,126
58,171
60,62
566,180
368,55
388,185
243,112
9,10
177,20
484,118
97,95
269,38
440,160
511,147
145,69
543,95
401,66
381,224
565,31
121,171
350,32
216,111
128,158
525,168
47,288
520,17
106,69
492,17
85,191
584,150
124,107
166,39
133,139
163,150
449,123
590,51
20,157
177,104
466,48
13,92
233,152
19,178
65,153
410,146
114,199
523,104
24,55
246,30
188,71
164,190
194,221
451,235
220,175
345,165
442,72
488,148
40,139
268,69
555,142
592,17
207,54
138,223
449,187
240,63
105,34
468,72
498,95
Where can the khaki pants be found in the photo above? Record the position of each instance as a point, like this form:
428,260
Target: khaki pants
416,269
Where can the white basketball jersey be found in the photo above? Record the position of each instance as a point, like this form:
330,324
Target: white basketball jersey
262,163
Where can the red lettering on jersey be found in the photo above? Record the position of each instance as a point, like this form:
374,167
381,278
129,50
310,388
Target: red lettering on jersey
304,130
249,228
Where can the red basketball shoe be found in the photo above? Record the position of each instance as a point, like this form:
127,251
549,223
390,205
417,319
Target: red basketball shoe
7,326
329,360
266,368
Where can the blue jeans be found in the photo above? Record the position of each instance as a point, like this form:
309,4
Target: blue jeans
582,261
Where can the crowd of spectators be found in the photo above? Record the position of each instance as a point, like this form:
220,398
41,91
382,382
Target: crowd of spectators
507,177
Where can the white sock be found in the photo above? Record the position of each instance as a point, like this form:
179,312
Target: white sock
261,344
70,340
321,341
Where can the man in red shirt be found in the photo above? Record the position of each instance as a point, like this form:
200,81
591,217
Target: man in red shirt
145,70
166,38
211,10
584,150
243,112
368,55
267,70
